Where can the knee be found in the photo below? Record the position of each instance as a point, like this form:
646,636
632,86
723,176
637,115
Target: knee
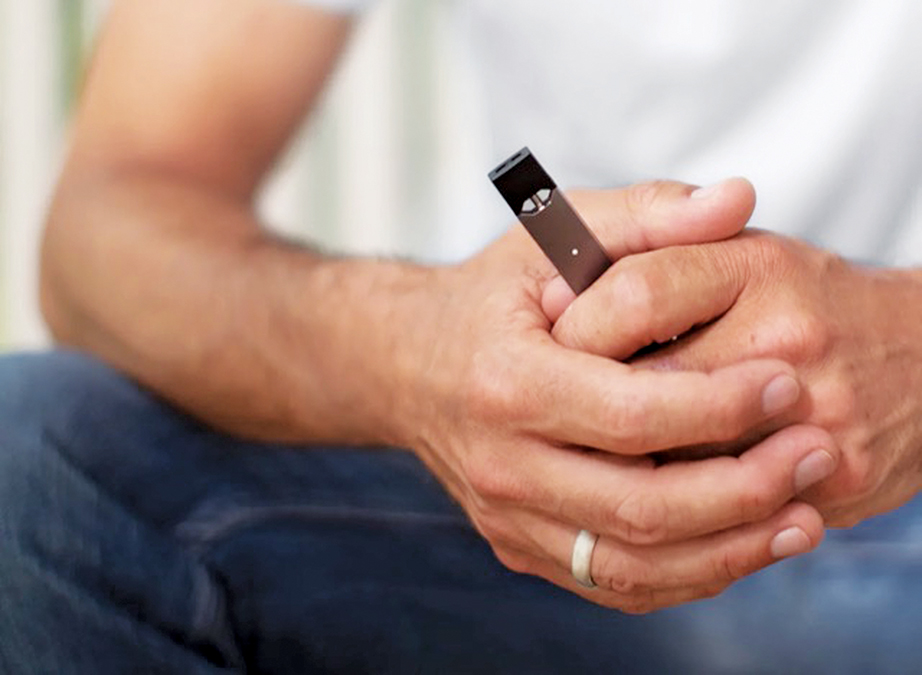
74,433
65,397
38,386
37,391
27,468
54,410
45,405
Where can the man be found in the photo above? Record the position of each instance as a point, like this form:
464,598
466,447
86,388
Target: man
218,514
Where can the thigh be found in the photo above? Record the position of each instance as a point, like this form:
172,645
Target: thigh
87,586
138,540
142,541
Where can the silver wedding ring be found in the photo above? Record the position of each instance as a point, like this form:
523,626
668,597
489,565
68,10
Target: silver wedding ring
581,561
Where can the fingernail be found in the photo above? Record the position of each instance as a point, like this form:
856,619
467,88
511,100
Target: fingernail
779,394
813,468
706,192
792,541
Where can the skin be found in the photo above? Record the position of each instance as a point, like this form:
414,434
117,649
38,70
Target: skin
155,261
853,334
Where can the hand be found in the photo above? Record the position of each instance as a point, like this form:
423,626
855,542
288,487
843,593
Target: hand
508,416
853,334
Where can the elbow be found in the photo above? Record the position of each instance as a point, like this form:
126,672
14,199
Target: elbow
52,300
55,314
56,301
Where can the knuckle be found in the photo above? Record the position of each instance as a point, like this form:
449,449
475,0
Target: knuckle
795,335
628,577
629,422
641,289
623,586
730,415
836,403
574,336
711,591
633,291
845,519
642,197
488,391
491,526
638,606
494,480
860,478
809,434
641,518
809,336
512,560
771,253
758,499
619,576
730,567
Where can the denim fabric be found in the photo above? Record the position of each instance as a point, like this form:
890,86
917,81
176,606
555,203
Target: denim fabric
135,540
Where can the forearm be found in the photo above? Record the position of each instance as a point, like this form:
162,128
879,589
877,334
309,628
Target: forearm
180,288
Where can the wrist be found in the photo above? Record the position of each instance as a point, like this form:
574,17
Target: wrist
417,379
371,358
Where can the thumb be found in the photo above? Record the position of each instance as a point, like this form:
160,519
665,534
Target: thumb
654,215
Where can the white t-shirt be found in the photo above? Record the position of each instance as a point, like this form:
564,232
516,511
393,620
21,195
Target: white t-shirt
818,103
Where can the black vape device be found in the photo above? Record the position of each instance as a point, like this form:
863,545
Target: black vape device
551,220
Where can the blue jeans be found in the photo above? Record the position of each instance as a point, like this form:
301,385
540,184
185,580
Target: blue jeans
135,540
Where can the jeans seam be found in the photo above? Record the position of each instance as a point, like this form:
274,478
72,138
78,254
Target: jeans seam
207,605
61,584
201,534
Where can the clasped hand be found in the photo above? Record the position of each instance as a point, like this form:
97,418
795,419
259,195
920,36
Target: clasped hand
853,335
540,429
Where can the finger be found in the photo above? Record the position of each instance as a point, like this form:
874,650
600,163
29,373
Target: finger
642,601
589,401
650,298
644,578
860,490
638,503
556,298
718,559
655,215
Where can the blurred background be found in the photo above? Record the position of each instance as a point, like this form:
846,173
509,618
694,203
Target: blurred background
398,142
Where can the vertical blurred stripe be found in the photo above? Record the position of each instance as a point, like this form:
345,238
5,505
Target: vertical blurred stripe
348,183
374,167
396,147
71,33
30,134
